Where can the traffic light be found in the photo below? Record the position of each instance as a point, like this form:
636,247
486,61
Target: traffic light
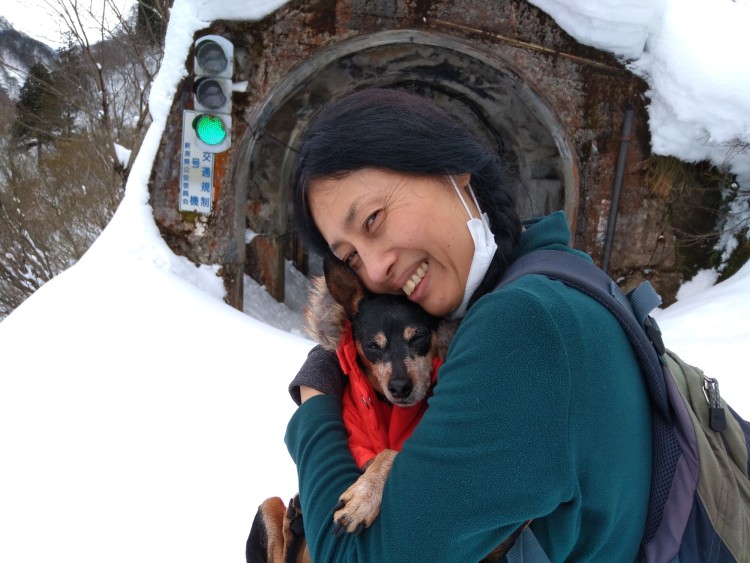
212,92
207,128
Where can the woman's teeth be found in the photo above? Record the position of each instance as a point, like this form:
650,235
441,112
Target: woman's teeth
416,278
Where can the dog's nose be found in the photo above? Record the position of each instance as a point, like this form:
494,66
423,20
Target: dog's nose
399,388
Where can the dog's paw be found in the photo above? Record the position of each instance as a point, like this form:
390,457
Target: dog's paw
359,506
293,519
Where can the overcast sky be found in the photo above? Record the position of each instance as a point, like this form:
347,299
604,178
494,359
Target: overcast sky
37,18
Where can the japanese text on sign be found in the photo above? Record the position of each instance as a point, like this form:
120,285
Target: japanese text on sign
196,174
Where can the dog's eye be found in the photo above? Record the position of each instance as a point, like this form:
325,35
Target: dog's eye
419,336
372,345
351,259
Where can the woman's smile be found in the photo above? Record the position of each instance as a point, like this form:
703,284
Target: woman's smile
417,277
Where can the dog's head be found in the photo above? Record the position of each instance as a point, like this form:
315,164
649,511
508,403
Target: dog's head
396,339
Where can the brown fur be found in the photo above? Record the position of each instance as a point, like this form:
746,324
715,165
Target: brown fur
275,536
324,317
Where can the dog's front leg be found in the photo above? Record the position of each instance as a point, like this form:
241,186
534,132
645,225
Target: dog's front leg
360,504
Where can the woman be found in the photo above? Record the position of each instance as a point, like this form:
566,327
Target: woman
540,412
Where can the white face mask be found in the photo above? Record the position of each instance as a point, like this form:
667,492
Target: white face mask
484,250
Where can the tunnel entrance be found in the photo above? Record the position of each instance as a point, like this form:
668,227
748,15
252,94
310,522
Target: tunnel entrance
479,88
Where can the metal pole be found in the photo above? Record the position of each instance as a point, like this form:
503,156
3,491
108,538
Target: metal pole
627,127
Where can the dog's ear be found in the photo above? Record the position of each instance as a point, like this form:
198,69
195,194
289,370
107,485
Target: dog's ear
343,284
324,317
444,334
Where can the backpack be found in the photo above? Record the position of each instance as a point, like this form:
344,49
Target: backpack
699,506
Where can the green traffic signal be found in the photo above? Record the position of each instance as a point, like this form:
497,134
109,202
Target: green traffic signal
211,116
210,129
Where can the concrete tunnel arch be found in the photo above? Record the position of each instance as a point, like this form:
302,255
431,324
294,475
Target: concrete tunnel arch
476,86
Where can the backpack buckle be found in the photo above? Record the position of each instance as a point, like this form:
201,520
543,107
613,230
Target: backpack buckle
717,419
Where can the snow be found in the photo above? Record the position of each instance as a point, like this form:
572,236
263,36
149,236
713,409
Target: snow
123,155
708,328
12,74
610,25
142,418
690,54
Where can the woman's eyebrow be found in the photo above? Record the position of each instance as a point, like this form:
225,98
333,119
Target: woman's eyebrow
348,221
351,214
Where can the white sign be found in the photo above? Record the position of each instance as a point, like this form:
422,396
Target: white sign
196,171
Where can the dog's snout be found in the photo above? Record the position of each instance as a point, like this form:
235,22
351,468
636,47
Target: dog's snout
400,388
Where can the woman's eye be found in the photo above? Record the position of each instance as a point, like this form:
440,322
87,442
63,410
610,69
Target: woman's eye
371,220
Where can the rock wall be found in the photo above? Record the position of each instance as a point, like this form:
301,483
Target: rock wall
502,66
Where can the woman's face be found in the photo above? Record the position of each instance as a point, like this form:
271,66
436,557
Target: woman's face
401,234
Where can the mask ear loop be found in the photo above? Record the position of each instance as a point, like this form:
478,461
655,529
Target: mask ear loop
468,211
474,198
482,216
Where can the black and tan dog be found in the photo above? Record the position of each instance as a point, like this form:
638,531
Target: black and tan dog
396,343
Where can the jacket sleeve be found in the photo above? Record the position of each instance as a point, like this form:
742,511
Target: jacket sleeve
491,451
320,371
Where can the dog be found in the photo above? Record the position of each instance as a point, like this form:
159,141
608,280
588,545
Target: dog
398,348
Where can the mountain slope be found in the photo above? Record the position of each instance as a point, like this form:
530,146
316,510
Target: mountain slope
18,53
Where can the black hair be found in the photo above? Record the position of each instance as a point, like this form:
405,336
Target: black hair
407,133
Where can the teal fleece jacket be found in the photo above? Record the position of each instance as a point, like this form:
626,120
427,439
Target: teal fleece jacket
540,412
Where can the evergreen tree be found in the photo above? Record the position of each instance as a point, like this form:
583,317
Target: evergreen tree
73,84
29,122
38,116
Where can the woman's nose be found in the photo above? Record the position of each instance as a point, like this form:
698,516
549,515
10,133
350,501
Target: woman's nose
378,264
